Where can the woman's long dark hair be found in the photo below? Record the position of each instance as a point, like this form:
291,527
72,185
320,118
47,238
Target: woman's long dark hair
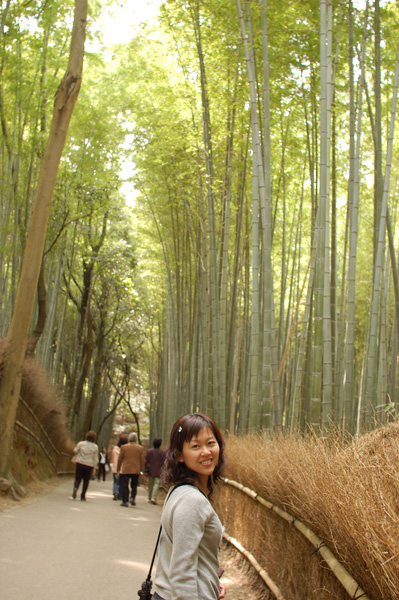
185,428
123,439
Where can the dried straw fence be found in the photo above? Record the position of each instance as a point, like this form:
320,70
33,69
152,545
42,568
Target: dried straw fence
255,518
29,425
345,490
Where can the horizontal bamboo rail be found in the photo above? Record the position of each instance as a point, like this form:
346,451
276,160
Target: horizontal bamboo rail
259,569
345,578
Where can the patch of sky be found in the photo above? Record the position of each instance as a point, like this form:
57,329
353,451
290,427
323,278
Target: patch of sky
29,24
119,23
361,4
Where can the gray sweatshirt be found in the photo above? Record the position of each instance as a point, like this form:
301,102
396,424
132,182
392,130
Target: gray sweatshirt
188,548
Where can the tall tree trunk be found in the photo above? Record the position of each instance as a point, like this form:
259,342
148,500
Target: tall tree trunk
378,176
372,355
64,103
97,375
271,405
349,387
218,384
41,313
84,346
269,354
255,346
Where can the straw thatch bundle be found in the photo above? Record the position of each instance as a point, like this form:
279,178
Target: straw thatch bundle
347,493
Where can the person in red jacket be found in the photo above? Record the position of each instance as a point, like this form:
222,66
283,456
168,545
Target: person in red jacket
154,460
130,465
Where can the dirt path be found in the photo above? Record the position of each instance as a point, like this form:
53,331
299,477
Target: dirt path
56,547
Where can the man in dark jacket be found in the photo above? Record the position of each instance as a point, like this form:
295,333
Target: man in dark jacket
130,465
154,460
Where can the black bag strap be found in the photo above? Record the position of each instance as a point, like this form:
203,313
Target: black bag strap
160,529
154,555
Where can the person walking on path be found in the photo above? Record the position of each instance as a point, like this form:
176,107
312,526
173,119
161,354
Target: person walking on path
114,463
86,460
130,465
154,459
188,551
102,465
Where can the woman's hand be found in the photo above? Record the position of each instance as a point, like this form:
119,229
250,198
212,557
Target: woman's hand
222,591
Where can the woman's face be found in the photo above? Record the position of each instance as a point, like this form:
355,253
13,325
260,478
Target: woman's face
201,454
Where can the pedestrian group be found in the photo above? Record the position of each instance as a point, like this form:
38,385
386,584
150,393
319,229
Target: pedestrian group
128,462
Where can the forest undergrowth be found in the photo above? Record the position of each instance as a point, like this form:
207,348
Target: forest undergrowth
346,491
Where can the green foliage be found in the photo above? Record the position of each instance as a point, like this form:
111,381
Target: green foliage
34,50
142,271
169,148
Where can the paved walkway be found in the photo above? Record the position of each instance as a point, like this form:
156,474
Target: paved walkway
57,548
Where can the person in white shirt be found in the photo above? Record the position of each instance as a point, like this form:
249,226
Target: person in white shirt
102,465
86,460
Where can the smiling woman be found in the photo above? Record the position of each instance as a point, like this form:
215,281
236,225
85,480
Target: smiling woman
201,455
188,560
186,434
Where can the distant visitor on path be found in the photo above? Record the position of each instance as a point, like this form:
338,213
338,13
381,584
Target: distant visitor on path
103,465
188,551
154,459
130,465
114,464
86,458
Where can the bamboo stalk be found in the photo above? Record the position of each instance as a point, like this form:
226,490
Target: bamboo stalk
343,576
259,569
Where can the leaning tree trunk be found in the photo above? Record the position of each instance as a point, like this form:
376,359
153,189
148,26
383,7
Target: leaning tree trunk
64,103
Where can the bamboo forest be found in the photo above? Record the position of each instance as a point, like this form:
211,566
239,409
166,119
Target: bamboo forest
202,216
